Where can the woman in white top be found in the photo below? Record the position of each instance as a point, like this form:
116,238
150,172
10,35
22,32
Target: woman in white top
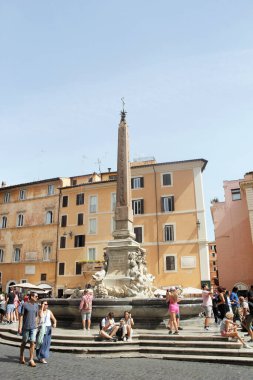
46,318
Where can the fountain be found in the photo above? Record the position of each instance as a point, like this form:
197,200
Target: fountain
124,283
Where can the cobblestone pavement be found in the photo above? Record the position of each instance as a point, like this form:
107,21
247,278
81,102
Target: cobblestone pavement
70,366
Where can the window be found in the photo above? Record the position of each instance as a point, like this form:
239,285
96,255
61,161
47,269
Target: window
93,203
167,203
65,201
215,269
60,293
213,254
43,277
46,253
138,234
80,219
50,190
92,254
61,269
236,194
63,242
20,220
80,199
49,217
112,177
113,224
16,255
7,197
78,268
138,206
1,255
170,263
166,179
79,241
4,222
73,182
1,278
214,262
92,226
22,195
137,182
113,201
64,221
169,232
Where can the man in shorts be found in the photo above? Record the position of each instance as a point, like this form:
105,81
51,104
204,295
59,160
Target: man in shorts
10,307
207,305
28,327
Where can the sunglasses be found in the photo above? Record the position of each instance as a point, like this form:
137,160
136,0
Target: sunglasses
45,304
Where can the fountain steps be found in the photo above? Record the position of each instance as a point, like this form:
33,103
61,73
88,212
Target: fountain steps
203,348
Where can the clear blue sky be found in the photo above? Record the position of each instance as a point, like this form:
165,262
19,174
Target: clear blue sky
184,67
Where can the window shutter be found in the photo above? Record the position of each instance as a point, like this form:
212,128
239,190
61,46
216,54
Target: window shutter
142,206
132,183
142,181
162,204
172,203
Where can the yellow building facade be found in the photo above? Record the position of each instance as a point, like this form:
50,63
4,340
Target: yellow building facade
29,218
169,222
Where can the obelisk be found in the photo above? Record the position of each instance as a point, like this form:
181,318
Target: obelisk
126,271
123,210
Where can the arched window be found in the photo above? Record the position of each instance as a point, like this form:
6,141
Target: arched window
20,220
49,217
16,255
1,255
4,222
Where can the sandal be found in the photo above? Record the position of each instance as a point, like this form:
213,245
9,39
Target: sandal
43,361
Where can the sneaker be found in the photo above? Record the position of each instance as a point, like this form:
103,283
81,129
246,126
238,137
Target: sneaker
176,333
170,332
206,328
180,328
246,346
250,341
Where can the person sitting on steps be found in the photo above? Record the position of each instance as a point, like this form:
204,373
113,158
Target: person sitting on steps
108,328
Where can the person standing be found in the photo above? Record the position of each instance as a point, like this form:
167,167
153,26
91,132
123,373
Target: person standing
10,307
207,305
235,303
172,300
222,302
86,308
46,318
28,327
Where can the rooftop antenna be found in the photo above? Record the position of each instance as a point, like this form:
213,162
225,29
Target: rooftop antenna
98,162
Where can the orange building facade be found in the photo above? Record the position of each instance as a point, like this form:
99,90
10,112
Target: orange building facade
169,222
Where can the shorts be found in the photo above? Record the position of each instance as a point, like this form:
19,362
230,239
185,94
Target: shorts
86,315
10,308
248,321
2,311
224,333
174,308
29,335
208,311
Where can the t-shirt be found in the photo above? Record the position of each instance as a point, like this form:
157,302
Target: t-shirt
10,297
105,321
29,312
207,300
234,299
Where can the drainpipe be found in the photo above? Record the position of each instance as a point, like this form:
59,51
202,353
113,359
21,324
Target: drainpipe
57,238
157,230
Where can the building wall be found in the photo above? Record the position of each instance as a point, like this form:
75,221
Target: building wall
32,237
186,254
233,238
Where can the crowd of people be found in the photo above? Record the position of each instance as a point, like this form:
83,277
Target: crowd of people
35,322
108,328
229,310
